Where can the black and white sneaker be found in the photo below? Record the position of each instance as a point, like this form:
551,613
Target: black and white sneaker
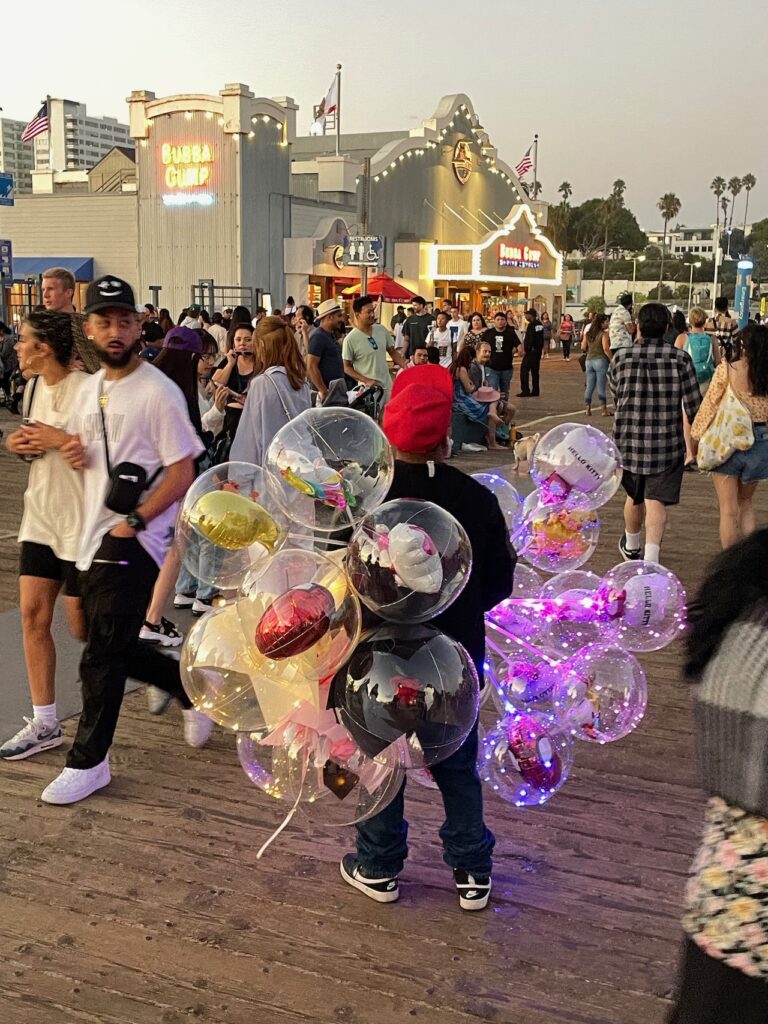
474,891
33,738
628,554
382,890
166,634
200,607
183,600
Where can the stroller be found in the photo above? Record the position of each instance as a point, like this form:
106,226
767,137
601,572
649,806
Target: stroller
367,399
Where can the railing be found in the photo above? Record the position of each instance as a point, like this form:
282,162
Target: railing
115,182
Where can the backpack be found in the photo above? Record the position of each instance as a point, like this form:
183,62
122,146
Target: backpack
699,347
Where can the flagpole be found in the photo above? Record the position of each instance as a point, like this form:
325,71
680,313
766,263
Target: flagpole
535,167
338,109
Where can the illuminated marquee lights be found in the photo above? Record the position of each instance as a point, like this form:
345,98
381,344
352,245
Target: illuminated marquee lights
187,199
519,256
187,166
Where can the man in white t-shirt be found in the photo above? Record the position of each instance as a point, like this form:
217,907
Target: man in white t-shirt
457,327
131,418
441,338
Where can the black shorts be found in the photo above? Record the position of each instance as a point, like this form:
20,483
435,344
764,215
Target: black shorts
41,561
663,487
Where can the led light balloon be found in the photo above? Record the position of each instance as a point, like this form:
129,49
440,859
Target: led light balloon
328,467
576,465
527,758
603,694
519,620
558,539
509,499
301,615
572,625
409,560
217,672
647,604
411,686
227,523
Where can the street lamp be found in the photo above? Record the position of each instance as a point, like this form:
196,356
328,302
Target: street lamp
690,285
635,261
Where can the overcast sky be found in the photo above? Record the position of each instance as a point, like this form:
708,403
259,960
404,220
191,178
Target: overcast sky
665,94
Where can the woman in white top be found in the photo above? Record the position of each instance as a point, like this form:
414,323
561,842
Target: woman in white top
52,521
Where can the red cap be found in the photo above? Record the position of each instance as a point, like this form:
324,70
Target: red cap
418,415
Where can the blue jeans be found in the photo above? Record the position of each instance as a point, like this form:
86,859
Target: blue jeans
467,843
597,373
501,380
189,584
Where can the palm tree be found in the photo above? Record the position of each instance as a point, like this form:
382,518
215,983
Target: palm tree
718,187
565,191
734,187
724,200
611,207
748,181
669,206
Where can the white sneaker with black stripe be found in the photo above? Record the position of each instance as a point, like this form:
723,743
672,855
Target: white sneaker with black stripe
474,890
382,890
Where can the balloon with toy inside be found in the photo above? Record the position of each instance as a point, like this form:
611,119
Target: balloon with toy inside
527,758
328,467
566,603
646,604
227,523
515,616
409,560
411,688
558,538
301,616
603,693
577,466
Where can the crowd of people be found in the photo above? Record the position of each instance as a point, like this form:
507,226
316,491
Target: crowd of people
122,407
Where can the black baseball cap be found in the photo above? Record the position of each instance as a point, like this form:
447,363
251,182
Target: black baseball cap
109,292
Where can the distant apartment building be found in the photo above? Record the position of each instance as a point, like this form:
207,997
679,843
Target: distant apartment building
682,240
77,140
16,157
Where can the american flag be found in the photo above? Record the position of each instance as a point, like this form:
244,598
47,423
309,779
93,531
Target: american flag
37,125
525,164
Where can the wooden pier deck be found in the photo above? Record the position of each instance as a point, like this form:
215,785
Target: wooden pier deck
146,905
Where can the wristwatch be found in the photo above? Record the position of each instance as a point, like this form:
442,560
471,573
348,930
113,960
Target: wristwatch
135,521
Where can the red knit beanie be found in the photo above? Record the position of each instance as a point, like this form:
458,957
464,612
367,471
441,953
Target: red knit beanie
418,415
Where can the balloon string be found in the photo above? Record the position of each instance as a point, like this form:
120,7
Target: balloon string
287,819
520,643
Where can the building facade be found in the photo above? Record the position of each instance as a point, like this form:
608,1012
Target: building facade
16,157
76,140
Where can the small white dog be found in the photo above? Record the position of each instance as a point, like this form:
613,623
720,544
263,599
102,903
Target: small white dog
523,450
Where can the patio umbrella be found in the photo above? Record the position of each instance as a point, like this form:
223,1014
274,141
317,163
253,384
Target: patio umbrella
384,287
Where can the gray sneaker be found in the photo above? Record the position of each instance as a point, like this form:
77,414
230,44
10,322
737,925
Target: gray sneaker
32,739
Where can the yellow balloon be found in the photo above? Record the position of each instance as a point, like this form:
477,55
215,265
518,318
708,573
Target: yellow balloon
233,521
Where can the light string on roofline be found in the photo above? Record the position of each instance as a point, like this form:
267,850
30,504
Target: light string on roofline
209,115
481,138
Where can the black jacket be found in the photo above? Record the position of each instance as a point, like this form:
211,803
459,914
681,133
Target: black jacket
533,343
493,557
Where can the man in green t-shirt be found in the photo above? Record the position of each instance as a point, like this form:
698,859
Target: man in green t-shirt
365,348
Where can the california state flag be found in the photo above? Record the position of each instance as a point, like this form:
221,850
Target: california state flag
328,106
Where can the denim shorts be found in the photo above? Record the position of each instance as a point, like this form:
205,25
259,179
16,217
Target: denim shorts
751,465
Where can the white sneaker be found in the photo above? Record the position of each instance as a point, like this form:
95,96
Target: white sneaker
76,784
470,446
197,727
33,738
183,600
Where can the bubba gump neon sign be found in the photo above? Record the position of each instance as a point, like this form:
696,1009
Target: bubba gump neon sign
187,166
522,256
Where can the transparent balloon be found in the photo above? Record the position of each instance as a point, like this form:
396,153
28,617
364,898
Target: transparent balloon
559,538
527,758
576,465
603,693
409,686
329,467
646,603
509,499
528,678
260,764
566,633
227,523
300,615
217,672
409,560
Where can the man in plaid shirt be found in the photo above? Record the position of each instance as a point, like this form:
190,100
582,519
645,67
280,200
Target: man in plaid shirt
651,381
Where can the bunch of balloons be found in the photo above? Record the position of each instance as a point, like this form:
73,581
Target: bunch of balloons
561,654
328,718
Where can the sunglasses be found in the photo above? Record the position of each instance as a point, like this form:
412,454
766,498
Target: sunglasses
374,344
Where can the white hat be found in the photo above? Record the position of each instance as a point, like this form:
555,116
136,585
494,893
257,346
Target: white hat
327,307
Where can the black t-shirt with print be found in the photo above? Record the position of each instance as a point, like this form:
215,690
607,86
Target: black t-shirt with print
503,345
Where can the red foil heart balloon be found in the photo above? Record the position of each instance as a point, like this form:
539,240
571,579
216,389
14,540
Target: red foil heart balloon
295,621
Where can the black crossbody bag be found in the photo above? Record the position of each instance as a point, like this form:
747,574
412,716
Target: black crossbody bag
127,480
